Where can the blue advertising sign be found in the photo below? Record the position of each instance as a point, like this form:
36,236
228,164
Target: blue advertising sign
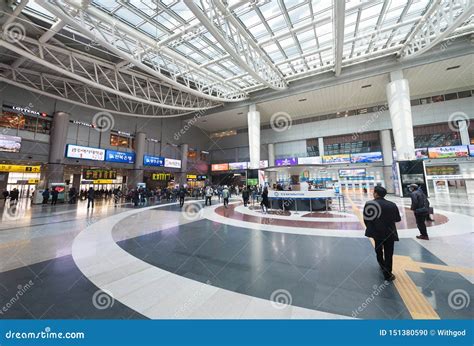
375,156
119,156
156,161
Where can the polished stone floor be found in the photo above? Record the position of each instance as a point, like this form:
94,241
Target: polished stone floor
162,261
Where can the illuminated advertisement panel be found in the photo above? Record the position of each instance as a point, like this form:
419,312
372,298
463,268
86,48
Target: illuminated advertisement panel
85,153
220,167
448,152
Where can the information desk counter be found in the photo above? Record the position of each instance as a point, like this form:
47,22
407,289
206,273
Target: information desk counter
315,200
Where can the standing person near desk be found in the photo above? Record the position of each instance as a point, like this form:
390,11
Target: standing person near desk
245,196
421,208
54,196
45,195
182,195
265,202
380,217
225,195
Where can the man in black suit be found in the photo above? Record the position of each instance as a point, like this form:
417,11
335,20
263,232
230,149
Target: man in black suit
380,216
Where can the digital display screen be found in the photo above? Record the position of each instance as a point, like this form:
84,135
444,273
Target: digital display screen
357,172
220,167
289,161
119,156
10,144
313,160
237,165
85,153
366,157
95,174
340,158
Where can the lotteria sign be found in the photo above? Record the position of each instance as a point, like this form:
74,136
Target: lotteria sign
119,156
85,153
156,161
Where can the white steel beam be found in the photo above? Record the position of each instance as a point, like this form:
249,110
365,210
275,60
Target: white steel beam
104,76
74,92
222,25
442,18
338,20
142,51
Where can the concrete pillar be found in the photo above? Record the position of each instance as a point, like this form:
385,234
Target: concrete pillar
184,163
76,181
137,174
253,122
463,127
321,146
271,154
398,96
386,143
54,170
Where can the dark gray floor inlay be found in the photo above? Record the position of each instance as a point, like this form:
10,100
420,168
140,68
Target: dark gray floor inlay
330,274
58,291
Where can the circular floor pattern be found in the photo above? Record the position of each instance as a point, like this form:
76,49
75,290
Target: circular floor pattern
446,224
320,220
157,293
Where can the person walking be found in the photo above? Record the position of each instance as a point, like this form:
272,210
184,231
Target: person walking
208,195
90,198
225,196
182,196
265,202
380,217
254,194
245,196
5,196
420,207
54,196
14,194
117,195
45,195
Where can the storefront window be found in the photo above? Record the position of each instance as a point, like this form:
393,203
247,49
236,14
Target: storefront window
44,126
12,120
120,141
32,123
